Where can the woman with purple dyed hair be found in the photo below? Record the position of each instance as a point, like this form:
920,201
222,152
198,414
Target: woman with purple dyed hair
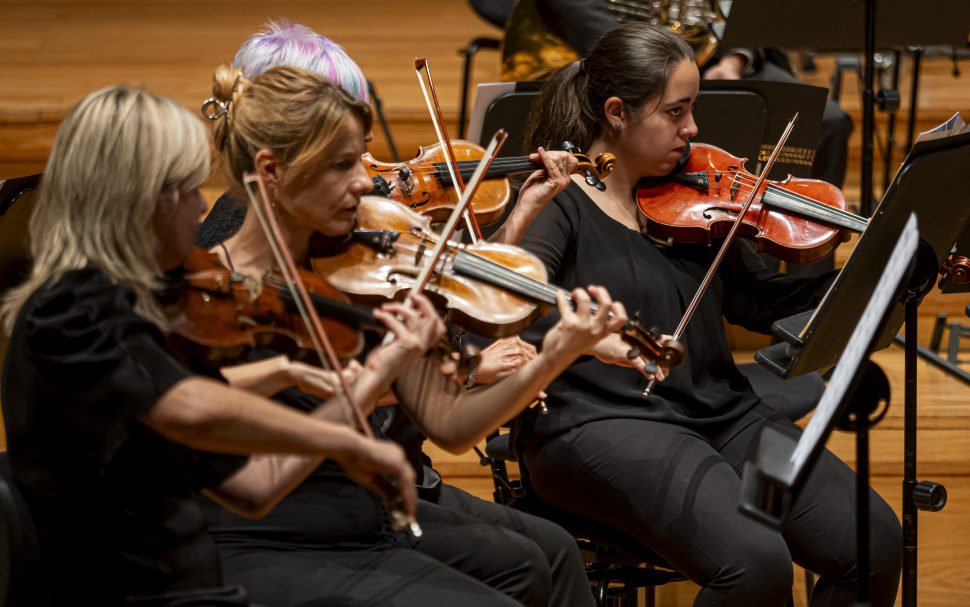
284,43
525,558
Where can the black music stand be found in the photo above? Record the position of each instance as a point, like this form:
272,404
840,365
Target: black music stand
745,117
771,483
815,340
849,26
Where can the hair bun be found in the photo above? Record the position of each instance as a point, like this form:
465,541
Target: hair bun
226,82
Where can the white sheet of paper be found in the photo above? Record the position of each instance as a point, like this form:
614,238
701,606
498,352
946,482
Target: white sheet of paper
485,93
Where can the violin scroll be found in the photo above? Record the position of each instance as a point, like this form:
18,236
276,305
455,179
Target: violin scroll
595,172
956,269
648,343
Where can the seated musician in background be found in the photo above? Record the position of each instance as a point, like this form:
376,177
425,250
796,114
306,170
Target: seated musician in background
289,124
665,468
109,437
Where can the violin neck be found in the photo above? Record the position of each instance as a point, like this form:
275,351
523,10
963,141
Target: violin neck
349,313
500,168
497,275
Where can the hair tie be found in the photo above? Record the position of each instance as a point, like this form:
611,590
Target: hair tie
213,109
582,67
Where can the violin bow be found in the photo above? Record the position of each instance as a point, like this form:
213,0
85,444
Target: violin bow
434,108
256,190
491,152
722,252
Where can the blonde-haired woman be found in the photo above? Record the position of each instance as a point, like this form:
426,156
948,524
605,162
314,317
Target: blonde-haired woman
109,437
304,137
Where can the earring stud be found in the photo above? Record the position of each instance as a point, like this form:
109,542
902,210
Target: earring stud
617,125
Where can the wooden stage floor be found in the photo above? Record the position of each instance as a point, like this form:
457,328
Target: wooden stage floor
56,51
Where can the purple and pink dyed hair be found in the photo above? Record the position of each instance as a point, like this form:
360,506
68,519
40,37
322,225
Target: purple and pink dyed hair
281,43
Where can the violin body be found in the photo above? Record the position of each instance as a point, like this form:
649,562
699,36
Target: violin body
379,271
218,316
424,184
700,203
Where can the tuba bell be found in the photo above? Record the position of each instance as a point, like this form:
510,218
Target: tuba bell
533,47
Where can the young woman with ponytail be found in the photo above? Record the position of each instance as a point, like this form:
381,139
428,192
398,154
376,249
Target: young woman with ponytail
665,469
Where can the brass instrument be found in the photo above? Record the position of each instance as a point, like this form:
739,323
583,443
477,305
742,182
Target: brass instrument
533,47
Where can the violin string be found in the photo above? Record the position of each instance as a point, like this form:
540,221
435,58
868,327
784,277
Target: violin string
466,166
811,203
795,197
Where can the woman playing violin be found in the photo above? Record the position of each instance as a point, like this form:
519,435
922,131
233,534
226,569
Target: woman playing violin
304,137
110,438
665,469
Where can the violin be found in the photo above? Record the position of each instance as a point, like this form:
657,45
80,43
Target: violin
216,315
424,183
495,290
796,220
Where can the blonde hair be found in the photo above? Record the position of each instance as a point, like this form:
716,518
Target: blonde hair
117,155
294,113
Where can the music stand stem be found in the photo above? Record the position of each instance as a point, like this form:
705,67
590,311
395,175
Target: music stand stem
909,458
914,98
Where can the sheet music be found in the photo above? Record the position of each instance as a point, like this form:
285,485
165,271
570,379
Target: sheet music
857,346
953,126
485,93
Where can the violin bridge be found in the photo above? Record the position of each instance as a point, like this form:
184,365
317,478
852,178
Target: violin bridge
406,179
735,185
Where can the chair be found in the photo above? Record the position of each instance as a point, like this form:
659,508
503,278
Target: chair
14,252
19,553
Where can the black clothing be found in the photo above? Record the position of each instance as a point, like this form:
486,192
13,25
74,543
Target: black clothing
666,469
581,245
676,489
223,221
114,502
327,511
485,539
330,526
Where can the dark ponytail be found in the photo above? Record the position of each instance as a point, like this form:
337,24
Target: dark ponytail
631,62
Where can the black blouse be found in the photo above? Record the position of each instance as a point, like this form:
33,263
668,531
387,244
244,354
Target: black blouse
581,245
114,503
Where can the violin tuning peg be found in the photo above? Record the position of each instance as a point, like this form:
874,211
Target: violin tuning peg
650,367
633,353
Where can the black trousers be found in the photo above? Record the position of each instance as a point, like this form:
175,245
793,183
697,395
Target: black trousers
318,578
526,557
676,490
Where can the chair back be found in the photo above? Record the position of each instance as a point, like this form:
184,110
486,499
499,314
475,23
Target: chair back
17,197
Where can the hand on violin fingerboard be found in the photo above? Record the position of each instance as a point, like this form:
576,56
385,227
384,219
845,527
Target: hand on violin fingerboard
580,329
536,192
